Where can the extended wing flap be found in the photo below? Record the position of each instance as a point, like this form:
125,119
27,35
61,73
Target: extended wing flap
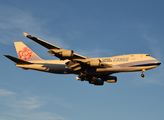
74,65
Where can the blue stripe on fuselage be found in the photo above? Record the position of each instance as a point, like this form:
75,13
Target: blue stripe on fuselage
141,63
151,64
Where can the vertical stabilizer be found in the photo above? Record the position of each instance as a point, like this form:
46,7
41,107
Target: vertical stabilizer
25,53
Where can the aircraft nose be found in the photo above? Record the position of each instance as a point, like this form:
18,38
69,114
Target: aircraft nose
158,62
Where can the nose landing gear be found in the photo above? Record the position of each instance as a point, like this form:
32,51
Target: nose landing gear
142,75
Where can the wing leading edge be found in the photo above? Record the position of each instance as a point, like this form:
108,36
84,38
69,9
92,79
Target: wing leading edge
55,50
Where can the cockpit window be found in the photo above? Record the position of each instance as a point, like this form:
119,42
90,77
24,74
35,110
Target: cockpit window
147,55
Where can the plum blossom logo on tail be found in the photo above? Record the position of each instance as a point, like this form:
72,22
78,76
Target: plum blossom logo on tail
25,53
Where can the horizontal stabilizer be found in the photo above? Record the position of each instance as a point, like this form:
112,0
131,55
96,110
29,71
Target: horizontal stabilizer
17,60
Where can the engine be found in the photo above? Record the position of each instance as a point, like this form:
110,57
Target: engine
99,82
96,81
66,53
94,63
110,79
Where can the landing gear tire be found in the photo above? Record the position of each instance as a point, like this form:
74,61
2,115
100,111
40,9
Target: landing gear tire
142,75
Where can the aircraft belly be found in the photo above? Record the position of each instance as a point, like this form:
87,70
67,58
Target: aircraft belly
118,69
60,69
52,68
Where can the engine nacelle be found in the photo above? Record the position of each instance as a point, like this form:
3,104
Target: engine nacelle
98,81
94,63
66,53
110,79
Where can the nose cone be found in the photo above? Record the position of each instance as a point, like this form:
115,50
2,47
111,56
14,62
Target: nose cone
158,62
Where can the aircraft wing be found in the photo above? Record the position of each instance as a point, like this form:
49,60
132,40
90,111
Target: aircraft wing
55,50
76,61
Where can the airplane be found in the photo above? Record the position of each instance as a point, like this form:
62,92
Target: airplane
94,70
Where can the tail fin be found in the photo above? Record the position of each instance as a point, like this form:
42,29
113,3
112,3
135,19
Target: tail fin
25,53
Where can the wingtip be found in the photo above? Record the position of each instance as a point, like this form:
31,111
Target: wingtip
6,55
26,34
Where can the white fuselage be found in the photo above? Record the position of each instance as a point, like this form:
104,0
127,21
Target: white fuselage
122,63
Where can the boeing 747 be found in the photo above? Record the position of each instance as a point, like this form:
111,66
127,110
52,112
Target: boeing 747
94,70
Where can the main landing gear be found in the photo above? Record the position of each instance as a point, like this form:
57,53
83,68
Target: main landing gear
142,75
83,75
